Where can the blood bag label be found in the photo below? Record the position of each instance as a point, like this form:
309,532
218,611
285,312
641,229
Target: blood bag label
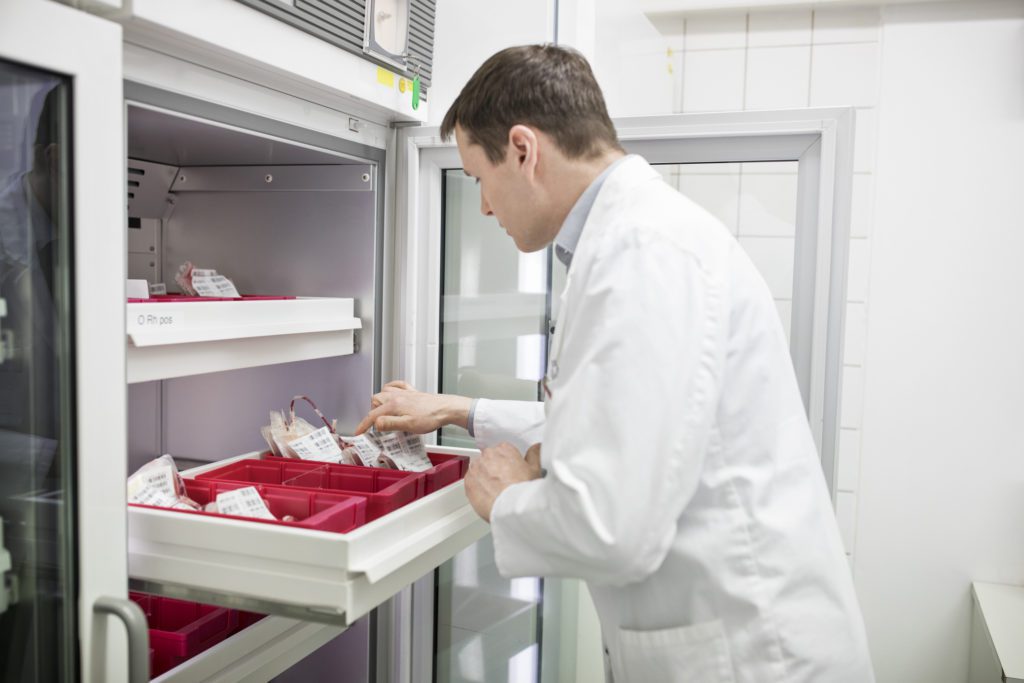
243,502
405,450
369,452
212,285
319,445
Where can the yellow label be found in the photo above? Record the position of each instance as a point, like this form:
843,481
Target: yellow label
385,77
401,85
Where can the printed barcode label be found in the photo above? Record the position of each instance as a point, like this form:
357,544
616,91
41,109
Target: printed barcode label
405,450
243,502
319,445
365,447
213,285
158,478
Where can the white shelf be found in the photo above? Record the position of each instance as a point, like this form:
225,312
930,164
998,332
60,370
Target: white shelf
256,654
999,622
170,339
311,575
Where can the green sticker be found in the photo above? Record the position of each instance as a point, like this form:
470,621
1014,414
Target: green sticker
416,93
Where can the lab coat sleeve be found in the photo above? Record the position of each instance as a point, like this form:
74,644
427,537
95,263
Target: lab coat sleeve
629,419
520,423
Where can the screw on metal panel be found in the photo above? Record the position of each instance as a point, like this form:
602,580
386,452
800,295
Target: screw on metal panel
268,178
366,177
182,179
152,248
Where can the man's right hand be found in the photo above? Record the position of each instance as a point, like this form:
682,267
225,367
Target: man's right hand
399,407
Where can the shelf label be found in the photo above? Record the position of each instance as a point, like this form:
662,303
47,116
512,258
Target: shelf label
165,320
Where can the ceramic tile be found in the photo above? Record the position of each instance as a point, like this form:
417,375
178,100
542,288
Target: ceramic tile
844,75
767,29
864,140
852,400
856,334
857,275
848,470
778,77
862,205
716,32
847,25
713,80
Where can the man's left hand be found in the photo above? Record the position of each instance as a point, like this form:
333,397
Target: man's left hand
494,470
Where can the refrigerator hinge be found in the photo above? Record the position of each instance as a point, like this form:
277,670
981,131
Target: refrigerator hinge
8,581
6,342
355,341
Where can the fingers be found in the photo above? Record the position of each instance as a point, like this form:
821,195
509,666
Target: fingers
370,418
395,423
533,456
399,384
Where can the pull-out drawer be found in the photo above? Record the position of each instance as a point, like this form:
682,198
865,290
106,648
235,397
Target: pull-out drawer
312,575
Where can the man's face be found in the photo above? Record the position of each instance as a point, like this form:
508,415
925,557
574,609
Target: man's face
509,192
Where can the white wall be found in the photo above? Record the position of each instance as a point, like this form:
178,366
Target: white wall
467,32
942,469
930,467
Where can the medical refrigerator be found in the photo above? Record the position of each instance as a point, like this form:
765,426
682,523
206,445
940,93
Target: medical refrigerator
137,142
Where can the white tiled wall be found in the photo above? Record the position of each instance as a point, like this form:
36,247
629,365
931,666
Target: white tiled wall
786,59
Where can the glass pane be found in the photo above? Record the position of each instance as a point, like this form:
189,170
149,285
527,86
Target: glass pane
494,345
37,596
757,202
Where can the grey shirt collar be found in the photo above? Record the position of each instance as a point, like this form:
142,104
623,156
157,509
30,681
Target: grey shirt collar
569,234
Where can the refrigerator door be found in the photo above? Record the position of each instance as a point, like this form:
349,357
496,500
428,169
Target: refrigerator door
469,319
62,197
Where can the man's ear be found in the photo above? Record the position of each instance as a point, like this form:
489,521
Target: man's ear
524,148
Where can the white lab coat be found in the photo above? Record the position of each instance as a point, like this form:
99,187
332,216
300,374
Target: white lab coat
682,480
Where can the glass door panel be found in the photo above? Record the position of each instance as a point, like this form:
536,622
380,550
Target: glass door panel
38,591
493,345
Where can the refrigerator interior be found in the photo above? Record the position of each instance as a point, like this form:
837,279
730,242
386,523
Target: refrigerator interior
207,192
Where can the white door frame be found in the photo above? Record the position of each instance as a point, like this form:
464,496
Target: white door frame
821,140
59,39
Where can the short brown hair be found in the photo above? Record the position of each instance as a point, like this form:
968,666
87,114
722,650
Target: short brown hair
545,86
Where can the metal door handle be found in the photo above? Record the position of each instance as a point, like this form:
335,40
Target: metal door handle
138,634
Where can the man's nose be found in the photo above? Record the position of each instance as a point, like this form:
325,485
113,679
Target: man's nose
485,208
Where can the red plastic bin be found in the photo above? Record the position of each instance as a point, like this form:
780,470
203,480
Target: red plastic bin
447,469
179,630
319,510
384,490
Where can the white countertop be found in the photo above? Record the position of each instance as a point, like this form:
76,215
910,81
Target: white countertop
1002,607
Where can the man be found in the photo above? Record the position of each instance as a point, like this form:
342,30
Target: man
681,481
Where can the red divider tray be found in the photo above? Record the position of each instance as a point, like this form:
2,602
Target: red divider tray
384,490
179,630
319,510
447,469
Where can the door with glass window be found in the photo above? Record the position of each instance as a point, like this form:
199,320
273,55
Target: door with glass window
778,181
62,513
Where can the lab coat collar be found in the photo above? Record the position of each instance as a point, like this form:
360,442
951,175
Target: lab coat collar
572,227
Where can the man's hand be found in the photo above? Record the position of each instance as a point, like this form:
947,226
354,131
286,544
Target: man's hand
494,470
399,407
